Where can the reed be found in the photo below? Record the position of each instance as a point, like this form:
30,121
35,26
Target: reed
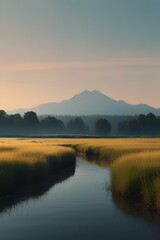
137,177
134,163
29,163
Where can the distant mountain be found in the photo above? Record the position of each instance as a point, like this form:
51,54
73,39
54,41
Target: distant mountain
90,103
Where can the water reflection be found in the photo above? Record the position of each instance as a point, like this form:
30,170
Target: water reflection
77,209
35,190
124,205
135,210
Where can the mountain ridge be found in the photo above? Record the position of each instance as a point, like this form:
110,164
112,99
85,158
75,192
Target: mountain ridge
90,103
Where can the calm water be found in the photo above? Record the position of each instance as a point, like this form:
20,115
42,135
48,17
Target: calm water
80,207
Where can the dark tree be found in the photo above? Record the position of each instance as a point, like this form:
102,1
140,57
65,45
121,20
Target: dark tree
143,124
31,120
132,126
79,124
52,125
102,127
3,121
76,126
151,123
3,116
17,118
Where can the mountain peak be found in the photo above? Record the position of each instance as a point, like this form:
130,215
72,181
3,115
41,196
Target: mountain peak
90,102
91,92
90,95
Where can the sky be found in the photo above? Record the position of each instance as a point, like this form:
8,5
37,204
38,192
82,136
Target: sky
51,50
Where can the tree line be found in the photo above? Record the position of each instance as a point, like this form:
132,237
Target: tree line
140,125
31,124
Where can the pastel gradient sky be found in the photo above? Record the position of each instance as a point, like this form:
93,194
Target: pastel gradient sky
53,49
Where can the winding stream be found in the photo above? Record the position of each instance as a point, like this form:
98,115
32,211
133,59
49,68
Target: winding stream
80,208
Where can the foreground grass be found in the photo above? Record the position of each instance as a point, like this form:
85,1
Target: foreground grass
137,177
26,163
134,163
135,169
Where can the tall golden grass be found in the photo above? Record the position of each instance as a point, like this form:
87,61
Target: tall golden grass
137,176
23,163
134,163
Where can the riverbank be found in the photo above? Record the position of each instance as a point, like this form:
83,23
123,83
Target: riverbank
23,165
137,177
134,164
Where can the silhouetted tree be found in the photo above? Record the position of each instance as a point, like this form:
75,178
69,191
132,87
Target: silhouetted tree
143,124
102,127
16,124
151,123
52,125
3,116
3,122
132,126
77,126
17,118
121,128
31,120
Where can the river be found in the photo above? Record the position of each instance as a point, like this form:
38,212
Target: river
79,207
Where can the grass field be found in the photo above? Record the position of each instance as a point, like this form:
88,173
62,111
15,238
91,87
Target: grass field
134,163
23,163
137,177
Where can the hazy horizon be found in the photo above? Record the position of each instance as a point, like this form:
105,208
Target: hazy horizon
52,50
70,97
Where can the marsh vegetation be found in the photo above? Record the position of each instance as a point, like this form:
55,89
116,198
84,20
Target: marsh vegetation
23,164
134,164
